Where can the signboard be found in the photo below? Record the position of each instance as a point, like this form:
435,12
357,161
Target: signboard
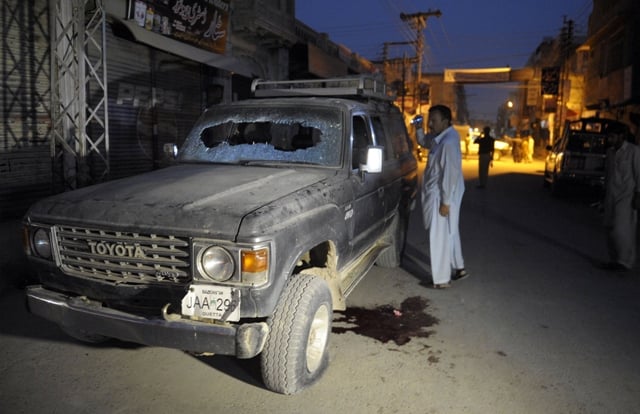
533,92
200,23
550,80
489,75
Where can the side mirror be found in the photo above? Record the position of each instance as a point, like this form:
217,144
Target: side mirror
374,160
170,150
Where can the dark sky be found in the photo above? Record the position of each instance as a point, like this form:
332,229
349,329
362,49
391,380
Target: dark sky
468,34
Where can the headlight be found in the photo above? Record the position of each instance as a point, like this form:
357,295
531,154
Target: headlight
216,264
42,243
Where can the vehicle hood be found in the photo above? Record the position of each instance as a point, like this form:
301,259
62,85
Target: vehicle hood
185,199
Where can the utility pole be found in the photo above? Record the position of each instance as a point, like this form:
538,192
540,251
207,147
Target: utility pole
566,49
386,61
418,21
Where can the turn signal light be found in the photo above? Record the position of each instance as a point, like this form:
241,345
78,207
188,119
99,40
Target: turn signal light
255,261
255,266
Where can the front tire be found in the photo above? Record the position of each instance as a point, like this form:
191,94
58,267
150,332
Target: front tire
296,353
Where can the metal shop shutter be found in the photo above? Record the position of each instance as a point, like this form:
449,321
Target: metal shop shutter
25,163
154,98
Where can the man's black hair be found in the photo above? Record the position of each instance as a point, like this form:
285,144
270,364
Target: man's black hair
443,110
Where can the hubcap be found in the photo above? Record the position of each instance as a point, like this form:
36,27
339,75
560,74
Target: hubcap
318,335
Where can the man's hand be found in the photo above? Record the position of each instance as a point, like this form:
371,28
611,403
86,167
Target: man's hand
444,210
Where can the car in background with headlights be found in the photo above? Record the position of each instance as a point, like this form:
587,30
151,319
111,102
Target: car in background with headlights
501,147
275,209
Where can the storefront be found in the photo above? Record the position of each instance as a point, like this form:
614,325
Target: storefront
159,77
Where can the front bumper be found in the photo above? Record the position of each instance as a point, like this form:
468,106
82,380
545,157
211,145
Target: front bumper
241,340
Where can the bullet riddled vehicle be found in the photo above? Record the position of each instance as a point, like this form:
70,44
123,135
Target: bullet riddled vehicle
274,210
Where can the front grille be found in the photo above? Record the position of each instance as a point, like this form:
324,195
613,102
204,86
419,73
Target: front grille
122,257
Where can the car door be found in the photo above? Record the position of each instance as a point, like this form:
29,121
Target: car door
390,133
368,202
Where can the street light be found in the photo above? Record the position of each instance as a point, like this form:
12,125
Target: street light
507,115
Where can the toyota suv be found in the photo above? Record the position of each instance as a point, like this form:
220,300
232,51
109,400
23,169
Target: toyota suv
274,210
577,159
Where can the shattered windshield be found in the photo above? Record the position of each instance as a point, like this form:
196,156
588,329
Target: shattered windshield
248,135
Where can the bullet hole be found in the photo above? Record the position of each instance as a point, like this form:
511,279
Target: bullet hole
387,323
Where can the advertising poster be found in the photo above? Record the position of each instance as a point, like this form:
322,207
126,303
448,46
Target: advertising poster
200,23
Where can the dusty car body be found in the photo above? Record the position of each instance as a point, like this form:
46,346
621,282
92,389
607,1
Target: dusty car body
274,210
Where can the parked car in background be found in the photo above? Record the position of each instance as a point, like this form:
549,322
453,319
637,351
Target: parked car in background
500,148
577,158
468,147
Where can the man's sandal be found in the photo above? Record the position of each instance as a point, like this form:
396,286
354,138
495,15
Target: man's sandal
460,274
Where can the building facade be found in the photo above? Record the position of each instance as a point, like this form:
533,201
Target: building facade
612,81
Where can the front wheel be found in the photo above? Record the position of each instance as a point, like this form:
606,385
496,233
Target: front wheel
296,354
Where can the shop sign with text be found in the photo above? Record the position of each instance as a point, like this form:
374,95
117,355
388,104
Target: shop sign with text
200,23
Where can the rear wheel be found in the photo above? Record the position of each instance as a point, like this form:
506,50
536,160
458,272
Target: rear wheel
295,354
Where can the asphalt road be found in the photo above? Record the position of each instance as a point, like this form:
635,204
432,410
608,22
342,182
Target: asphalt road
537,328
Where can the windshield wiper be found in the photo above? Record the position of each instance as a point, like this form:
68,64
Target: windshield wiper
277,162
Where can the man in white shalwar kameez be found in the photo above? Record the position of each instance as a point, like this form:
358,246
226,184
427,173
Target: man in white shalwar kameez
441,196
622,186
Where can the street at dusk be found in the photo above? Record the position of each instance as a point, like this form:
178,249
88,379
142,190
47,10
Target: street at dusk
288,206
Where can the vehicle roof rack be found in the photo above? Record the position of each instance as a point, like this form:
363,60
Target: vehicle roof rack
363,86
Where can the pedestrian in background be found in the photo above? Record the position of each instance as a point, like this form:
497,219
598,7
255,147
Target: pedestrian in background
516,148
441,196
531,144
622,199
486,145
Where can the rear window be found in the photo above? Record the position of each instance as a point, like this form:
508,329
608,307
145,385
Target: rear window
587,143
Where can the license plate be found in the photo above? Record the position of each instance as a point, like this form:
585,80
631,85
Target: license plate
212,302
